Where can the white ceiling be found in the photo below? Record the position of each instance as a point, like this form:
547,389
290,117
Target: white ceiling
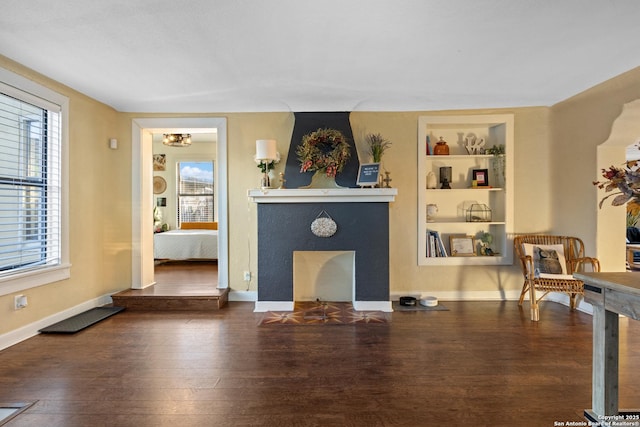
325,55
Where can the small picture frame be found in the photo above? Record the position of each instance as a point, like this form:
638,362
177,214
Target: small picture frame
159,162
161,202
462,245
368,175
481,177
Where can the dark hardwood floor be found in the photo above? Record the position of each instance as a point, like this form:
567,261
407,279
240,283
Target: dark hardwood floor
479,364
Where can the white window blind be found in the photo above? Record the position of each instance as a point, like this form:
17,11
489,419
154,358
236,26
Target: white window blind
195,192
30,183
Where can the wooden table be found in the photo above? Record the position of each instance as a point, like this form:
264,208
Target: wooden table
610,294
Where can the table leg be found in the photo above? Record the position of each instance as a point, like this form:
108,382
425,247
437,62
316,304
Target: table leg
605,361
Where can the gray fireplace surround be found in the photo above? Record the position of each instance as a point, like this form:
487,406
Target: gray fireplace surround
284,226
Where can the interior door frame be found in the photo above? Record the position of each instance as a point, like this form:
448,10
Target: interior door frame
142,274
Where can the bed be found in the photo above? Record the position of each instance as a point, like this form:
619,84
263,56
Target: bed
194,240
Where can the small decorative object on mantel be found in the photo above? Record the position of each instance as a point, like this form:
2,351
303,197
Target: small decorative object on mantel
324,225
626,180
368,175
441,148
387,179
326,152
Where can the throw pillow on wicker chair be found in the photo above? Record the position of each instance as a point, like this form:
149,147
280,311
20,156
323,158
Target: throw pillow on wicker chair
548,260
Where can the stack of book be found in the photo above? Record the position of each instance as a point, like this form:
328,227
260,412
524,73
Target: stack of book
435,246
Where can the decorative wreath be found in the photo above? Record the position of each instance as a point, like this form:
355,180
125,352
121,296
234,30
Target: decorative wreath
323,150
324,225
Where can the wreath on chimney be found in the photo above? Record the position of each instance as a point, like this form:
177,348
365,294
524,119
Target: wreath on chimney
323,150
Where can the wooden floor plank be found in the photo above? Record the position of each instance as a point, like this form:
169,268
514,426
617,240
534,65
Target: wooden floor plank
481,363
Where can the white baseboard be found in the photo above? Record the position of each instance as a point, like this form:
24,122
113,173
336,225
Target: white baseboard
242,295
31,330
372,306
263,306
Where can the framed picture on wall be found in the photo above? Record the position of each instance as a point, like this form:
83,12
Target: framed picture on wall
159,162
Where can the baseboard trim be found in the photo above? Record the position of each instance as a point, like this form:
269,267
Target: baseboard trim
373,306
31,330
264,306
249,296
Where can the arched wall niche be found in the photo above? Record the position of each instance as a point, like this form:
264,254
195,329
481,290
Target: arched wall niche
611,220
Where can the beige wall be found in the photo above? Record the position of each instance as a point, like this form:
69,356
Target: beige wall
580,124
555,151
100,208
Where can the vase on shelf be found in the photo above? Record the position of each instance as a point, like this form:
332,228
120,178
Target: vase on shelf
432,211
321,180
441,148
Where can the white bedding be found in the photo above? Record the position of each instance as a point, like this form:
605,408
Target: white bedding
186,244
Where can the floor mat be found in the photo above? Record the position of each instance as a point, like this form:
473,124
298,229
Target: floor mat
397,307
329,313
81,321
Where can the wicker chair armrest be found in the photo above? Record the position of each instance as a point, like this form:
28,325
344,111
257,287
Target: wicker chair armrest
578,262
527,266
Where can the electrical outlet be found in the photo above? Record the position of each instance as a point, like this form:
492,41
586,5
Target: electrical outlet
19,302
247,276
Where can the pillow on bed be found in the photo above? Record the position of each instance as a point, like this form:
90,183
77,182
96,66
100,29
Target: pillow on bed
198,226
548,260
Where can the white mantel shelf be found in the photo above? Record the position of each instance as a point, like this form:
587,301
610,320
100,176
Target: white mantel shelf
322,195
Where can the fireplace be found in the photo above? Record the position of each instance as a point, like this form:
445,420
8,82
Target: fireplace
324,276
284,227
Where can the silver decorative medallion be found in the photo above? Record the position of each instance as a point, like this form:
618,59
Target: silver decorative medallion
324,225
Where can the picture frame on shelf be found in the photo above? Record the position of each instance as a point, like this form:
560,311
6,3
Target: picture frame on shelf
462,245
481,177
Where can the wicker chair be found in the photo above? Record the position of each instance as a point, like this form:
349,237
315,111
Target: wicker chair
575,262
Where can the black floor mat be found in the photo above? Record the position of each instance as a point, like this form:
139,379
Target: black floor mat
81,321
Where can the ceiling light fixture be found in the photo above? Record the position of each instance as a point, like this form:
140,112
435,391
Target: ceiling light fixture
177,139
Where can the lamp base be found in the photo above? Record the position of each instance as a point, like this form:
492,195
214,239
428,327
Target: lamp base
265,182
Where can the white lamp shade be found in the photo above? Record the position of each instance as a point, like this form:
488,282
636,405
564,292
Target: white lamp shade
266,149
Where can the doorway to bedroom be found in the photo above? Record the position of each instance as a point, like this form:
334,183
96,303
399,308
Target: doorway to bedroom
209,144
185,240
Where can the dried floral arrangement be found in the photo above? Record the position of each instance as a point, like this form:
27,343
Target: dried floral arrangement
626,180
377,146
323,150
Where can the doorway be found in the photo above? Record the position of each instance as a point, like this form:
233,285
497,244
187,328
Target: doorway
143,197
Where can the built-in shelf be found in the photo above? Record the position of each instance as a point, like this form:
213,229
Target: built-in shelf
453,203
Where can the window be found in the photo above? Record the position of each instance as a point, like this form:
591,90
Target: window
195,192
32,238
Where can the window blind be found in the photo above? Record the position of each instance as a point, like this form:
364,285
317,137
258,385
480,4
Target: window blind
30,187
195,192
